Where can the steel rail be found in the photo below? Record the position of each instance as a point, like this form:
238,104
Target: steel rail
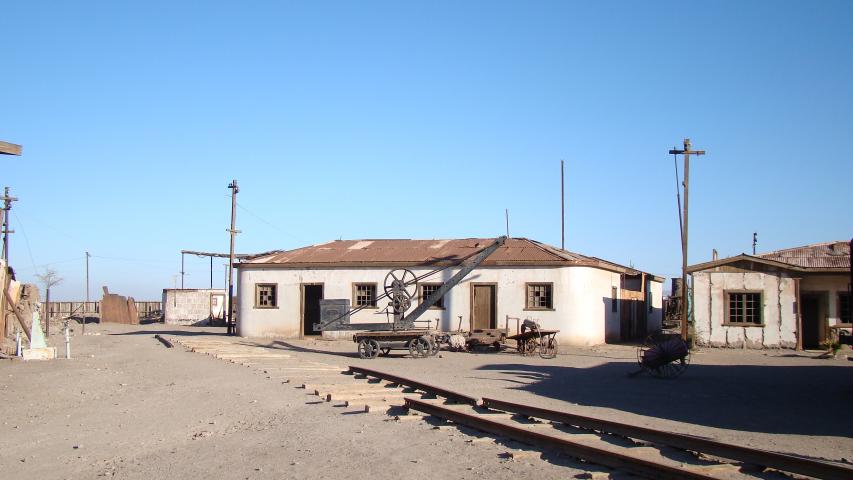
596,455
439,391
764,458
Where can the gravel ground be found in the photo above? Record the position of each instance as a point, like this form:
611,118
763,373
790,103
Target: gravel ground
127,407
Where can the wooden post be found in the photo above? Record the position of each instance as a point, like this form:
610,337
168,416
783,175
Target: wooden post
686,152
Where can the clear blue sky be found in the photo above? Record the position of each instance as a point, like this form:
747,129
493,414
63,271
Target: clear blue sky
417,120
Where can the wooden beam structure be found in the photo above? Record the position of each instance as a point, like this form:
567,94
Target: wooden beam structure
7,148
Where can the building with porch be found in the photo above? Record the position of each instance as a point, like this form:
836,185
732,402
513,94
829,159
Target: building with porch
783,299
589,300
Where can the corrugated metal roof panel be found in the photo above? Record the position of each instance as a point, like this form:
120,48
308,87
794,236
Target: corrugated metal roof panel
818,255
519,251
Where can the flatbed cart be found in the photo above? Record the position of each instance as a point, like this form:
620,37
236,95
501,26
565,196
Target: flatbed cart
532,341
419,343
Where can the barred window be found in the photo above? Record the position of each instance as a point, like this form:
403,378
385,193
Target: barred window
427,289
364,294
539,296
744,308
265,295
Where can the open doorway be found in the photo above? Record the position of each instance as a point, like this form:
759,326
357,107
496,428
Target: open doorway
312,293
814,320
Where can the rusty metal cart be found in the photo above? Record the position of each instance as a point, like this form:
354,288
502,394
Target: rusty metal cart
663,355
535,341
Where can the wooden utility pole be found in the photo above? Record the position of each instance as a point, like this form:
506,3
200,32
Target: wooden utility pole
6,148
233,231
686,152
562,205
7,205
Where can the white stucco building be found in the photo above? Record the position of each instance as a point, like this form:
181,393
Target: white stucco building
588,299
772,300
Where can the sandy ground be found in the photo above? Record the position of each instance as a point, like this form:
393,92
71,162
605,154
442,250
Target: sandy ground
126,407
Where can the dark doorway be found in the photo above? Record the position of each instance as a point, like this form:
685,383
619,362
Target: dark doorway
811,321
311,296
483,307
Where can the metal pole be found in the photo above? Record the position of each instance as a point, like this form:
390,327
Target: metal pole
563,205
233,231
506,213
211,272
47,311
87,293
684,244
182,270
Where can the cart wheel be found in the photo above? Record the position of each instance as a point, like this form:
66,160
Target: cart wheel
531,345
548,347
419,347
368,348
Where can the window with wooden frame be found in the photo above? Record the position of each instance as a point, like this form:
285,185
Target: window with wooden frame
743,308
265,295
364,294
844,307
540,296
427,289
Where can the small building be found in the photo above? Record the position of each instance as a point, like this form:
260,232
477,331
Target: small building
202,306
772,300
589,300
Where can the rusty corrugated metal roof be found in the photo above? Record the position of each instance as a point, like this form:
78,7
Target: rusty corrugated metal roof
817,255
389,252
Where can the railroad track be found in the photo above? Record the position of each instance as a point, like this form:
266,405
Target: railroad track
623,447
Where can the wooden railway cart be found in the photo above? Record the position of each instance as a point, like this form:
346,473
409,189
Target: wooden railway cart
537,340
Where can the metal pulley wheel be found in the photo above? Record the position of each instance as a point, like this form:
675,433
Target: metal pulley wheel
368,348
399,283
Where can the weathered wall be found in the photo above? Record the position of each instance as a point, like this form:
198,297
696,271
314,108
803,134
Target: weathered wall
581,299
709,302
192,306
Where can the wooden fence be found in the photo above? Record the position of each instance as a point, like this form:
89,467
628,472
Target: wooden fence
78,309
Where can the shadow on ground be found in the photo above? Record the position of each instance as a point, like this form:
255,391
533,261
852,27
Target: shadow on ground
802,400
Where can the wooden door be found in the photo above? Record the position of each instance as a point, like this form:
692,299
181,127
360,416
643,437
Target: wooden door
483,307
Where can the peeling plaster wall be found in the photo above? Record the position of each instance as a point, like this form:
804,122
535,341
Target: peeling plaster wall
780,321
582,308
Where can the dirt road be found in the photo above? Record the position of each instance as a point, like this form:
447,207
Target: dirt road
127,407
